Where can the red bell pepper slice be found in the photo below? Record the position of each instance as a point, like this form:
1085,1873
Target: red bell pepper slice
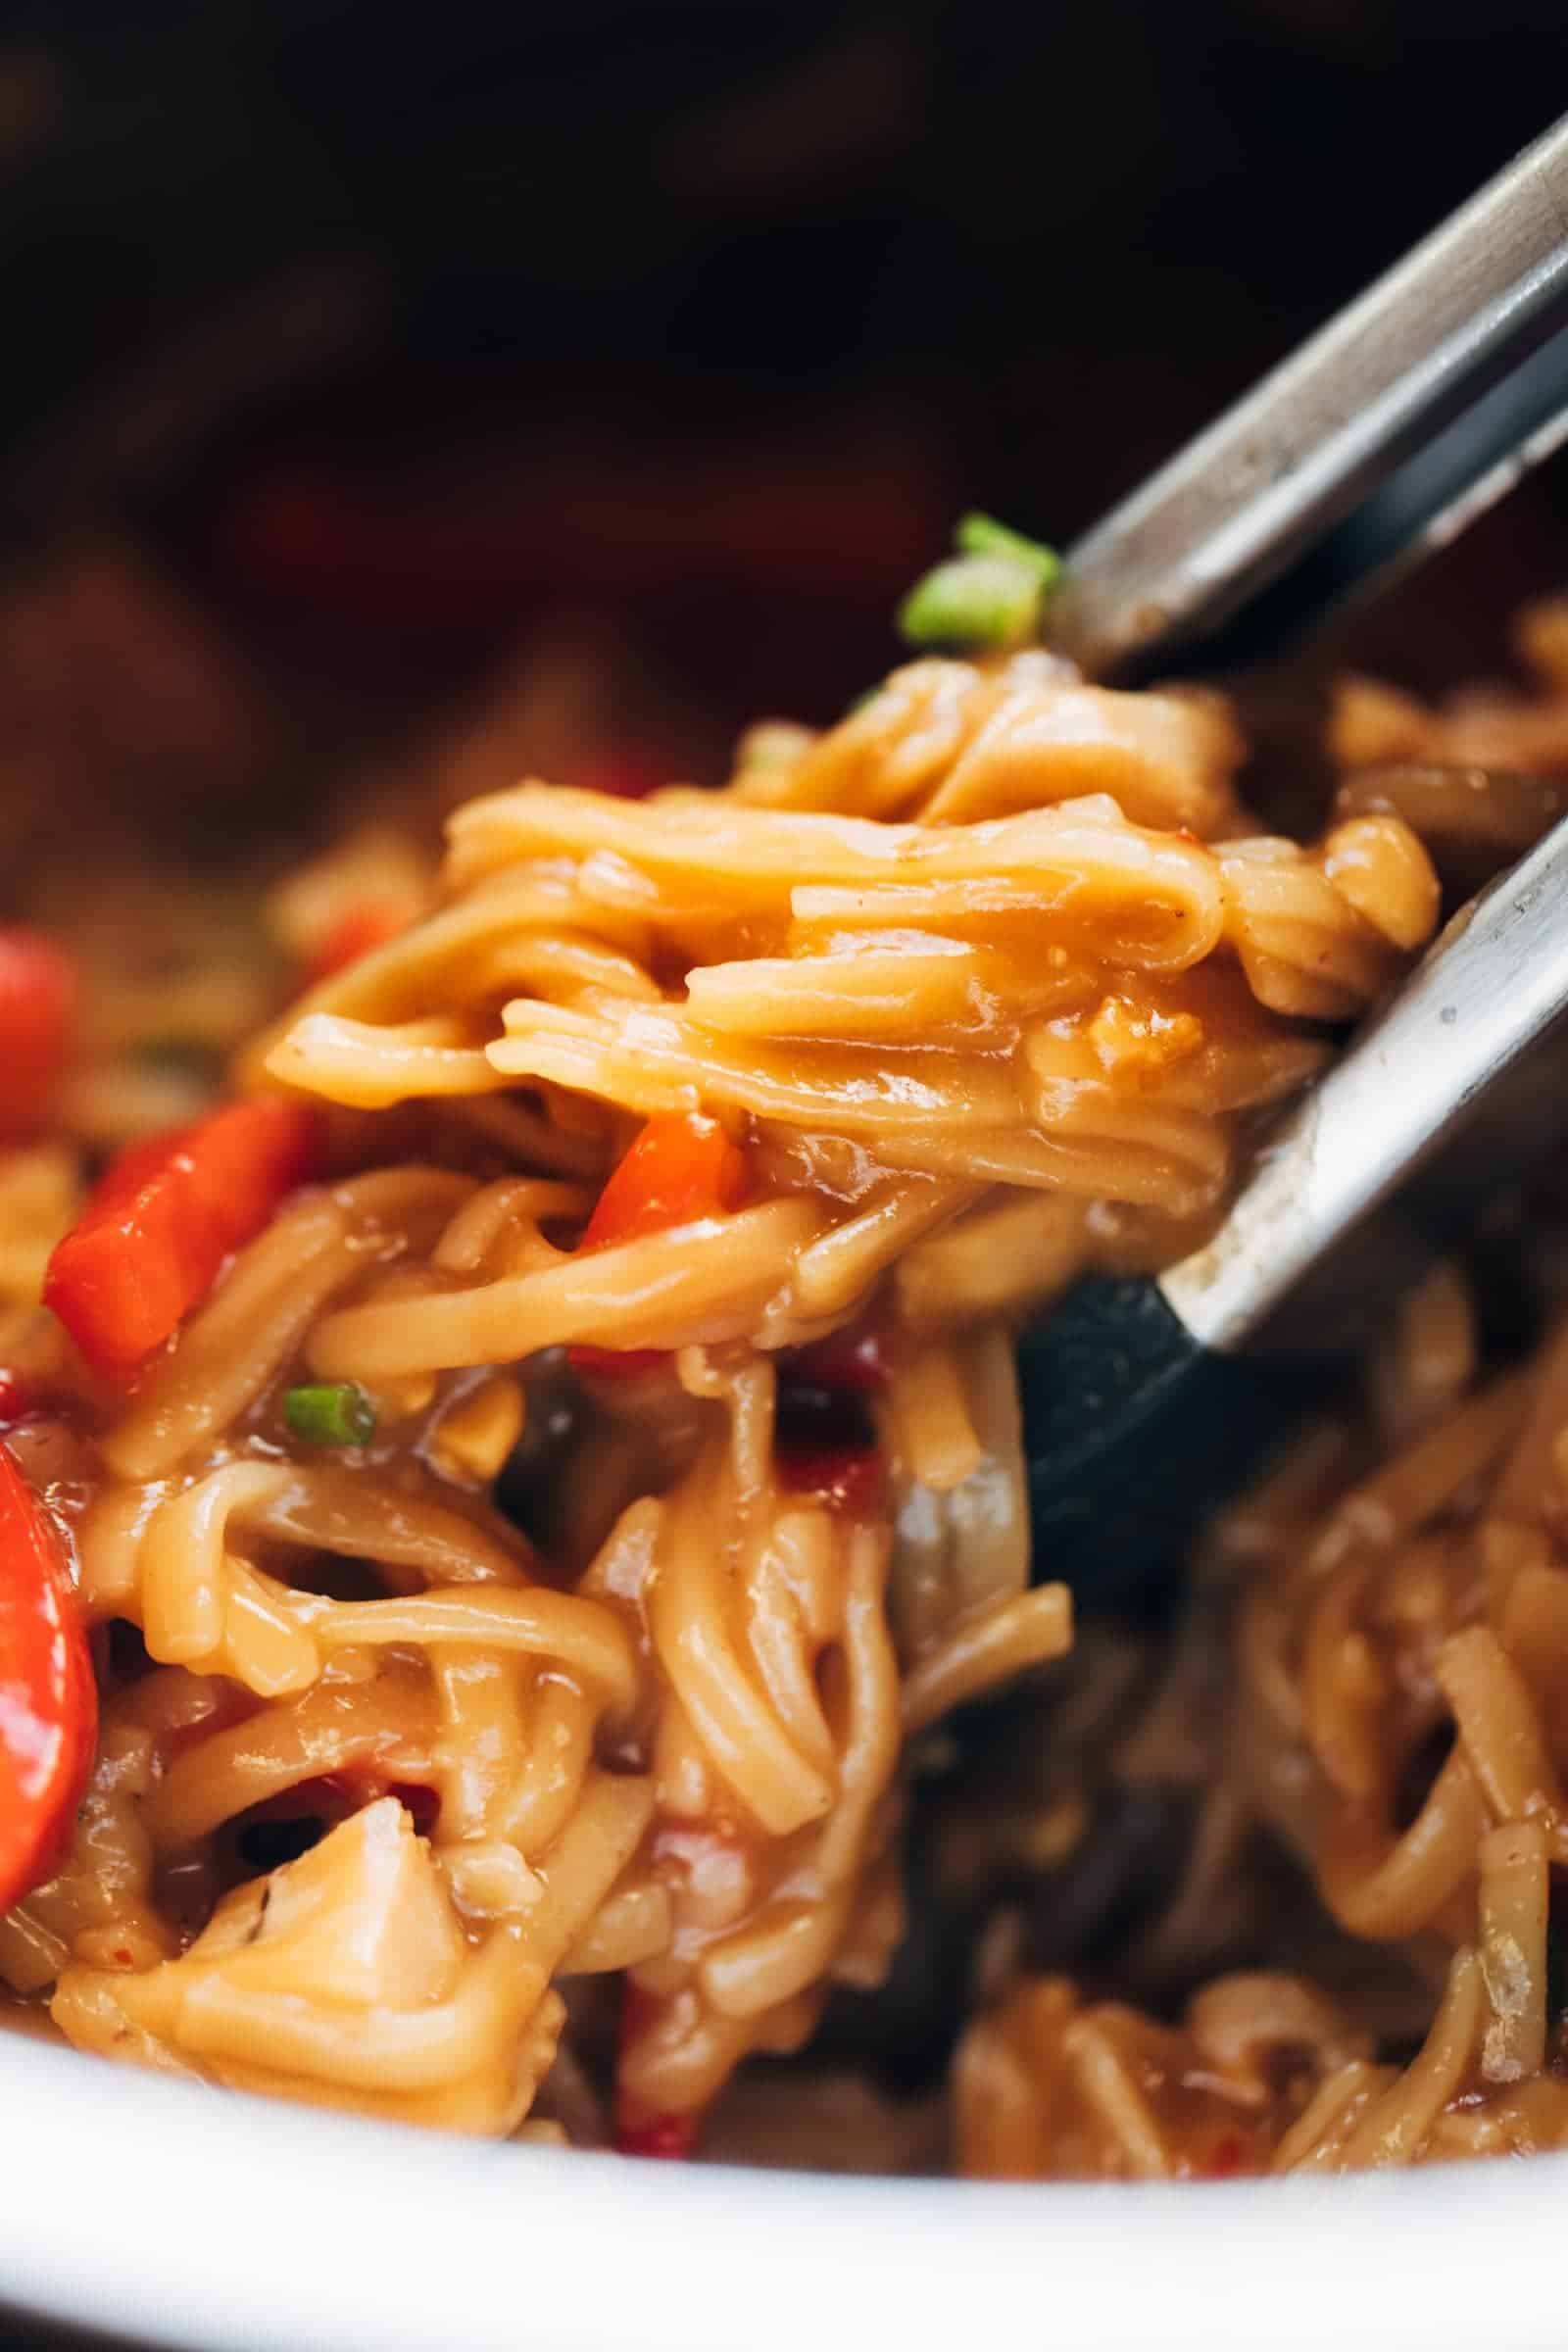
151,1239
37,1003
48,1698
681,1167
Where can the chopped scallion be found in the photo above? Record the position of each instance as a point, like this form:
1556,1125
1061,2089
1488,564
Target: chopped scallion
981,604
330,1413
989,598
983,535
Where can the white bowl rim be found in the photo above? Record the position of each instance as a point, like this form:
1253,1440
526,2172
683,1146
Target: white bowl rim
182,2217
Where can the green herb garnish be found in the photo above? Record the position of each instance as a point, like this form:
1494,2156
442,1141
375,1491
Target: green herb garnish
989,598
332,1412
982,535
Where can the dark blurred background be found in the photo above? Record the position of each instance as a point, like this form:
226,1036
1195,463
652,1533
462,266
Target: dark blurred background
394,329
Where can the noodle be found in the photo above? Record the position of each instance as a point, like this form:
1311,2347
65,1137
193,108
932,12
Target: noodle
1419,1602
530,1570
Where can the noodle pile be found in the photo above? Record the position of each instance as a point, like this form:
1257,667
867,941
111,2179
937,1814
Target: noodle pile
1400,1640
582,1671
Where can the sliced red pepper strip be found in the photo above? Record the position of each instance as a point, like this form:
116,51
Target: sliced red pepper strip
38,1004
150,1242
681,1167
48,1698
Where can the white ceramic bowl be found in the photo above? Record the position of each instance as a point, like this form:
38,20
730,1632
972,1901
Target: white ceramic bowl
179,2217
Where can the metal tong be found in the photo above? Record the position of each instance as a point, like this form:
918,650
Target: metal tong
1397,424
1145,1401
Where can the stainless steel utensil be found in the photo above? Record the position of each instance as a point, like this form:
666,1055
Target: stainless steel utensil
1394,427
1145,1401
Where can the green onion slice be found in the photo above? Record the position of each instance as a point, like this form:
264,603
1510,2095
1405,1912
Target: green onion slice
982,604
982,535
991,597
332,1412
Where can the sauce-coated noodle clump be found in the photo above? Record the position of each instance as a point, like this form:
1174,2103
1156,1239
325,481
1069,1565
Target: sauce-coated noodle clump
537,1467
